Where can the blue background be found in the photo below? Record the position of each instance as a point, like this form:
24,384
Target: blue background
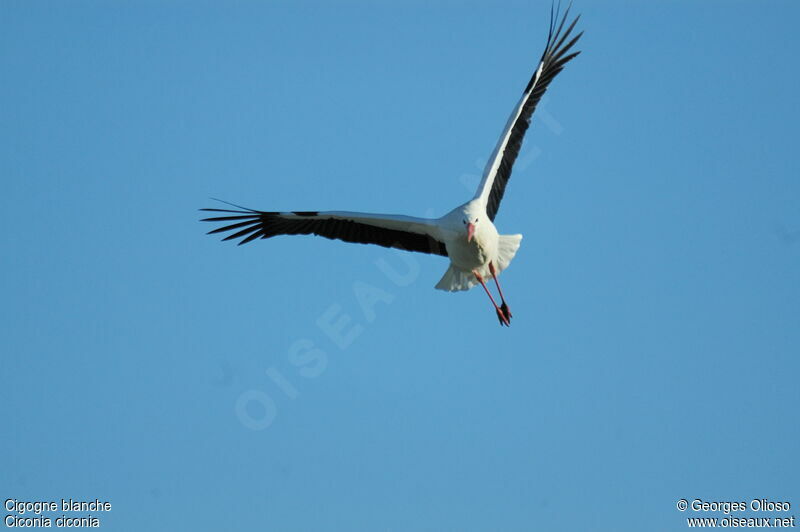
654,349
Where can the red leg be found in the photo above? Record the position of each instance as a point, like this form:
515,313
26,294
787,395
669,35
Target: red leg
504,306
500,314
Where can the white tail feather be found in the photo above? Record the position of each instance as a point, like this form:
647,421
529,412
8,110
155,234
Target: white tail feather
509,244
454,280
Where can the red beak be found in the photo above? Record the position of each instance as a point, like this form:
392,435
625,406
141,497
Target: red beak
470,232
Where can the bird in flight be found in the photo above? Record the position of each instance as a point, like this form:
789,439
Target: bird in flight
466,235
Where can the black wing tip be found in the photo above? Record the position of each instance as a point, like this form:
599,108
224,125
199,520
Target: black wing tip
233,205
239,216
557,22
209,209
555,48
555,39
247,221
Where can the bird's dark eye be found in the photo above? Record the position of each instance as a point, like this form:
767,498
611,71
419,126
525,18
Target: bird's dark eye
464,222
476,220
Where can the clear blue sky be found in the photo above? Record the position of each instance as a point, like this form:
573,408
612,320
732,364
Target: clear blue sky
654,349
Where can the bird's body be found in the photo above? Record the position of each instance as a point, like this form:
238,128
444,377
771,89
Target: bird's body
476,253
468,256
466,235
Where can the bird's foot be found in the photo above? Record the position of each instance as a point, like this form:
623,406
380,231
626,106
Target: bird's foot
506,311
502,317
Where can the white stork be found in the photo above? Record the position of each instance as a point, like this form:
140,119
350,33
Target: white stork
466,234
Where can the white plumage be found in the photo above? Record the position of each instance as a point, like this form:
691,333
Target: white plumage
466,235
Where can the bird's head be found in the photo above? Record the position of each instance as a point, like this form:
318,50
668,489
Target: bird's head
469,227
471,218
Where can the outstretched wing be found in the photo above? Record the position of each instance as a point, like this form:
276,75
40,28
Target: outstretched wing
498,169
401,232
